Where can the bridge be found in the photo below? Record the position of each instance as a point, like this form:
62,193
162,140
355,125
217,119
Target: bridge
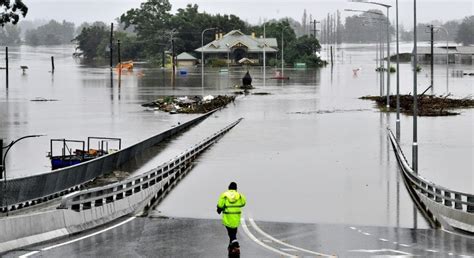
84,221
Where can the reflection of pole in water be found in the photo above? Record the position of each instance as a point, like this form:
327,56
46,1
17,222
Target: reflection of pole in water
387,164
415,217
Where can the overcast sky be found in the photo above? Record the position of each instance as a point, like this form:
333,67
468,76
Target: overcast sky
251,11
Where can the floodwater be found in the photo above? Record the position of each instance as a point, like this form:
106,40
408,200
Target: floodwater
309,152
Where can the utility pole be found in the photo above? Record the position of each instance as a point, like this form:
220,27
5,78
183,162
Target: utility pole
173,57
432,58
314,30
111,45
6,65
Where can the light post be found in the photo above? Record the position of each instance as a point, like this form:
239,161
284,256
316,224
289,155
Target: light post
388,42
228,59
415,95
202,57
397,123
447,57
3,171
380,44
264,55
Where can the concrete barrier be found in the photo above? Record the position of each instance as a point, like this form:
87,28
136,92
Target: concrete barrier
90,208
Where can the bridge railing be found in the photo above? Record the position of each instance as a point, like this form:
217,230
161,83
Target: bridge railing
449,198
165,174
22,192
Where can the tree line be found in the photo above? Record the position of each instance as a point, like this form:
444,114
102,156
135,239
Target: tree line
155,28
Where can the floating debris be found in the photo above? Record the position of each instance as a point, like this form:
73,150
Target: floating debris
427,105
107,179
189,105
42,99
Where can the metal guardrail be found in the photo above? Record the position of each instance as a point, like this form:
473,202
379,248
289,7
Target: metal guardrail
23,192
168,172
449,198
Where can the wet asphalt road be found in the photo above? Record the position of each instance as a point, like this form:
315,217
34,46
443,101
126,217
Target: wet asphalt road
156,236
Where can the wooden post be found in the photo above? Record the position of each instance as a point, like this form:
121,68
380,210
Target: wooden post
332,61
6,66
52,64
118,52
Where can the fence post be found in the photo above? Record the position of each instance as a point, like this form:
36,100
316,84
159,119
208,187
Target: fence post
52,64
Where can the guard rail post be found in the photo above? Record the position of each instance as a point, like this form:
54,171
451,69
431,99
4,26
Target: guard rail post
457,204
438,195
446,201
470,200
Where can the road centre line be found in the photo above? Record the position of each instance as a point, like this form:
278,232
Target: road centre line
254,225
251,236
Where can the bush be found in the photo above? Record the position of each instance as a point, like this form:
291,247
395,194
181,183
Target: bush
218,62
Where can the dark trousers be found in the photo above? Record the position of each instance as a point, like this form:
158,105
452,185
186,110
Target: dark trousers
232,232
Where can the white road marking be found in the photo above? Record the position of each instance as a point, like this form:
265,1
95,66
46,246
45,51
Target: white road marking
353,228
288,249
365,233
78,239
379,251
28,254
251,236
383,239
430,250
252,222
405,245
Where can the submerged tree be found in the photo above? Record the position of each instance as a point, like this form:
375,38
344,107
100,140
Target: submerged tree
12,12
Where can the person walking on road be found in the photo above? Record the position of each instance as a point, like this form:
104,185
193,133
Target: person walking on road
230,205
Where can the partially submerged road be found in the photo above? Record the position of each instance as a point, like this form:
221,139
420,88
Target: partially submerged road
155,236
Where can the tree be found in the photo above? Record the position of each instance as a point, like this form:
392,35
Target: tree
465,33
52,33
10,35
151,23
12,12
91,39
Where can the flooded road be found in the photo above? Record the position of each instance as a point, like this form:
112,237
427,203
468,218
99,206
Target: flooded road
309,152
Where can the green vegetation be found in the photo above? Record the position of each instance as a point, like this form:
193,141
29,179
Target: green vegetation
154,26
11,12
52,33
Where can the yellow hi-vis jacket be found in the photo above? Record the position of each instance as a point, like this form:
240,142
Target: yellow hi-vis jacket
231,202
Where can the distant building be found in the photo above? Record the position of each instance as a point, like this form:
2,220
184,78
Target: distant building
235,46
186,60
456,54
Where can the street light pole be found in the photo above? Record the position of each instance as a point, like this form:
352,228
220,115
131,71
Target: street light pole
388,43
264,55
202,57
415,95
3,171
397,123
447,58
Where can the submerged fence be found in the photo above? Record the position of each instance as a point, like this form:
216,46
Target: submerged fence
22,192
170,172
